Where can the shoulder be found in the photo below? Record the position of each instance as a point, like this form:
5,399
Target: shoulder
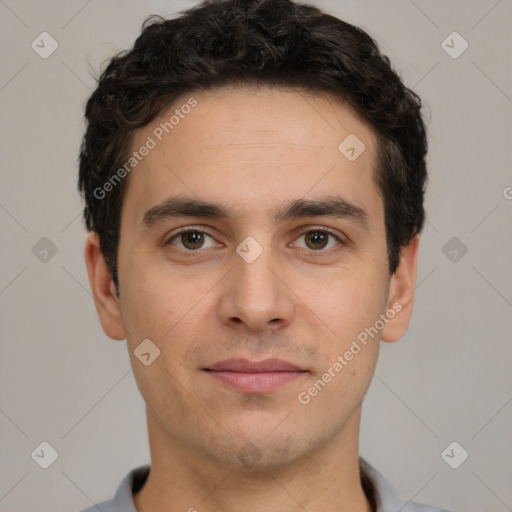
123,500
104,506
386,498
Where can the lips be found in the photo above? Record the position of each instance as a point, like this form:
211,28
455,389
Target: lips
246,366
255,376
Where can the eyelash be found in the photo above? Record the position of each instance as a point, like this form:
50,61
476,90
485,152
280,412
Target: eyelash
314,229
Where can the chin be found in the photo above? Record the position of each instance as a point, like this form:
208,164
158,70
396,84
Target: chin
260,452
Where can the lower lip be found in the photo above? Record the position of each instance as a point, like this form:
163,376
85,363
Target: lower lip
255,382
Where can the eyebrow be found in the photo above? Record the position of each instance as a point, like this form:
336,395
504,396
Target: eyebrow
185,207
329,206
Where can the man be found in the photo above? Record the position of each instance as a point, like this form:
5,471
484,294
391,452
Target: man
253,173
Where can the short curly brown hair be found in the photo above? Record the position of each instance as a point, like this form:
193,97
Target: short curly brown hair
256,42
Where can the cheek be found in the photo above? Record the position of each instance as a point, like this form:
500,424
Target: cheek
345,304
350,347
148,309
169,309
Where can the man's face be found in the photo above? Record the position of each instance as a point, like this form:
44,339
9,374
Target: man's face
300,289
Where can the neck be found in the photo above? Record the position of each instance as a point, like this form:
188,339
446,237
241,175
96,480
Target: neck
184,480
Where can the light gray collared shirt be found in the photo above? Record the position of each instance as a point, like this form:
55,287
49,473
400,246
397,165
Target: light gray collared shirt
384,496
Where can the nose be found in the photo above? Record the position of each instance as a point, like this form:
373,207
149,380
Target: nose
255,297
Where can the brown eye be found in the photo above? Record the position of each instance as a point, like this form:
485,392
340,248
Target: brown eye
191,240
316,239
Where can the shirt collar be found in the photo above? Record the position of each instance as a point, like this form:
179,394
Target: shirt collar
386,499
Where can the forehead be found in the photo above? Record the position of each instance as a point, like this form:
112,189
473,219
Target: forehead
254,148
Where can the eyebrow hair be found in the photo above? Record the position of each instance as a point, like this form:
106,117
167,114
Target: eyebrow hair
330,206
185,207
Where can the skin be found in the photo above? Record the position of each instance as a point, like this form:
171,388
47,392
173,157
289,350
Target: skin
214,448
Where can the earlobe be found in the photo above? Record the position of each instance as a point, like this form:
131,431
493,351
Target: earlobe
103,289
401,293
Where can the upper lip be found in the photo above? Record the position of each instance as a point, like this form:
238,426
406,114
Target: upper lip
247,366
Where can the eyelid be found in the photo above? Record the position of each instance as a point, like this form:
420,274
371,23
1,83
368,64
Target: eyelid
335,233
187,229
300,232
340,242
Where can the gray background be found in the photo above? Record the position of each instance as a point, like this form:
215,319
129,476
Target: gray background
64,382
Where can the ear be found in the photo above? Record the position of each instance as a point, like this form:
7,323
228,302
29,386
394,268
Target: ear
103,289
401,293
